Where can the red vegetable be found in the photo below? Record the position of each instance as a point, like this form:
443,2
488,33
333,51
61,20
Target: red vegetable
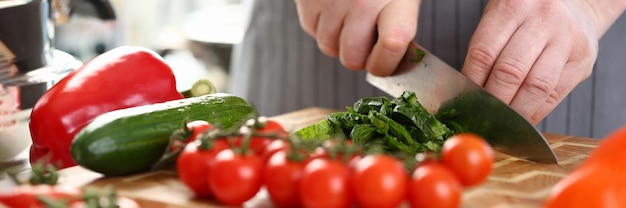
236,176
194,164
282,176
124,77
274,147
27,195
434,185
325,183
469,157
599,181
379,181
262,125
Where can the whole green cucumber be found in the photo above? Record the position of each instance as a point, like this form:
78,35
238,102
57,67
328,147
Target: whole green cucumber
131,140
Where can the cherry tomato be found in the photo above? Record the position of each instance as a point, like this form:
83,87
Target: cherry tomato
275,146
236,178
281,178
324,183
433,185
258,144
194,166
379,181
469,157
26,195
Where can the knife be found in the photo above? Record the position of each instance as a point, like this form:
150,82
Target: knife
440,89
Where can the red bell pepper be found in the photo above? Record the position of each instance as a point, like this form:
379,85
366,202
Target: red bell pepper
600,181
123,77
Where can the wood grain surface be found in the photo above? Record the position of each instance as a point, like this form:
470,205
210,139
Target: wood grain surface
513,183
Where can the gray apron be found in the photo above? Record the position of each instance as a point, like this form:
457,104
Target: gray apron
278,68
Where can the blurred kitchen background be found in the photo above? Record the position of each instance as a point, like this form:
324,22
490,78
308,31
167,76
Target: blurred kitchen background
194,36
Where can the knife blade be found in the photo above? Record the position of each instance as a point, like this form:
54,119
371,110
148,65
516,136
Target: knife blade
440,88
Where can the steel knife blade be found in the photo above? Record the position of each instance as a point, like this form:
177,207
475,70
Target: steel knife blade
440,89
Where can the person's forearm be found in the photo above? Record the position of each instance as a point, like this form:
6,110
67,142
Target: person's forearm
607,12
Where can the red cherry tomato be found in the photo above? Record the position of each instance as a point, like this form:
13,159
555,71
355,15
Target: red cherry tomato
258,144
273,147
433,185
379,181
281,178
236,178
194,166
469,157
26,195
324,183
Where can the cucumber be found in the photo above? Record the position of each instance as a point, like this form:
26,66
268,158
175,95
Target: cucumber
131,140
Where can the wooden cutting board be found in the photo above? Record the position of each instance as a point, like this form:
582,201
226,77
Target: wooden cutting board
513,183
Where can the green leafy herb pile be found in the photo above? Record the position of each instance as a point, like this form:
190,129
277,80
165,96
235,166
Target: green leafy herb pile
398,125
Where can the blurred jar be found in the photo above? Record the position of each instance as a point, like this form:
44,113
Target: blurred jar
14,133
29,66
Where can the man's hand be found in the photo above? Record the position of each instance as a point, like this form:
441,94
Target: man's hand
531,54
372,35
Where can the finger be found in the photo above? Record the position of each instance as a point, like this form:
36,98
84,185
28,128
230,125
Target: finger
357,35
308,15
494,30
571,76
397,25
515,61
541,81
329,28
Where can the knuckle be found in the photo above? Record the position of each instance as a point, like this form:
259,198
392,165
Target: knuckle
549,9
482,56
511,6
353,59
509,71
540,87
394,43
308,25
537,117
360,3
352,63
513,3
586,69
554,98
309,30
552,101
327,46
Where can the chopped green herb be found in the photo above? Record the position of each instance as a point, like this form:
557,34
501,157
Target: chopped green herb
419,55
400,125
